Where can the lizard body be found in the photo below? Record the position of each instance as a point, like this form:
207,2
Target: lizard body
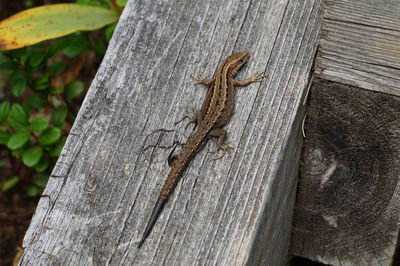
214,114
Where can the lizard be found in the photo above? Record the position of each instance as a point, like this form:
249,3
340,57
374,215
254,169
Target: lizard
214,114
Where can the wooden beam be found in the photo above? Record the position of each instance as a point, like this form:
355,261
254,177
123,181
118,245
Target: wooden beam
360,44
347,210
233,211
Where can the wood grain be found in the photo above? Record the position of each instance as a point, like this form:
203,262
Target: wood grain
233,211
347,208
360,44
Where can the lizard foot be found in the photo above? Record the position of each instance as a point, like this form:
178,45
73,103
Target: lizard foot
256,77
225,148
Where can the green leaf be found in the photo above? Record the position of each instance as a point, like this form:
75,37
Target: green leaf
19,114
59,115
122,3
41,179
17,140
17,118
39,124
15,125
51,21
16,153
37,100
56,90
10,183
109,31
73,89
4,137
42,165
56,149
92,3
41,83
4,110
18,74
32,156
76,45
28,3
18,87
8,67
3,58
20,55
99,49
32,191
36,57
50,136
56,68
58,45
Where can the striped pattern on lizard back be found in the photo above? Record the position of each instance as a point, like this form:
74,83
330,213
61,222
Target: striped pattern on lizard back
216,113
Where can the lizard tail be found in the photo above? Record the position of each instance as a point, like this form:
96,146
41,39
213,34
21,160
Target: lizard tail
153,218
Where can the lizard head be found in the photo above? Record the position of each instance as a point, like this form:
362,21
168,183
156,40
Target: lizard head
236,60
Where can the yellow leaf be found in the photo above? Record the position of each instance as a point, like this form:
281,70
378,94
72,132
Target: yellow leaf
47,22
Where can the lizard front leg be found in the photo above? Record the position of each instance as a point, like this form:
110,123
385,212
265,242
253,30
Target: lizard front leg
201,80
256,77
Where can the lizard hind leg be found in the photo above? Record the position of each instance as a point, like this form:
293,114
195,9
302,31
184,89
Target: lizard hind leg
220,133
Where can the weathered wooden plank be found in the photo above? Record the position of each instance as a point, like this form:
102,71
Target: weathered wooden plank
360,44
233,211
347,210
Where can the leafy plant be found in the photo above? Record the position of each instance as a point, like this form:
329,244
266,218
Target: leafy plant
42,90
34,122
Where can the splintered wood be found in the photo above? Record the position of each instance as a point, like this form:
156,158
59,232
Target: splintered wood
347,209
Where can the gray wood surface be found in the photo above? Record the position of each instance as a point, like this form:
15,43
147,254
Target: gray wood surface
347,210
360,44
233,211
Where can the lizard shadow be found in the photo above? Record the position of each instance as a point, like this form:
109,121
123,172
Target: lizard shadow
175,143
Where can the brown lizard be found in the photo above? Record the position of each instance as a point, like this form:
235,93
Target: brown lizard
213,115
